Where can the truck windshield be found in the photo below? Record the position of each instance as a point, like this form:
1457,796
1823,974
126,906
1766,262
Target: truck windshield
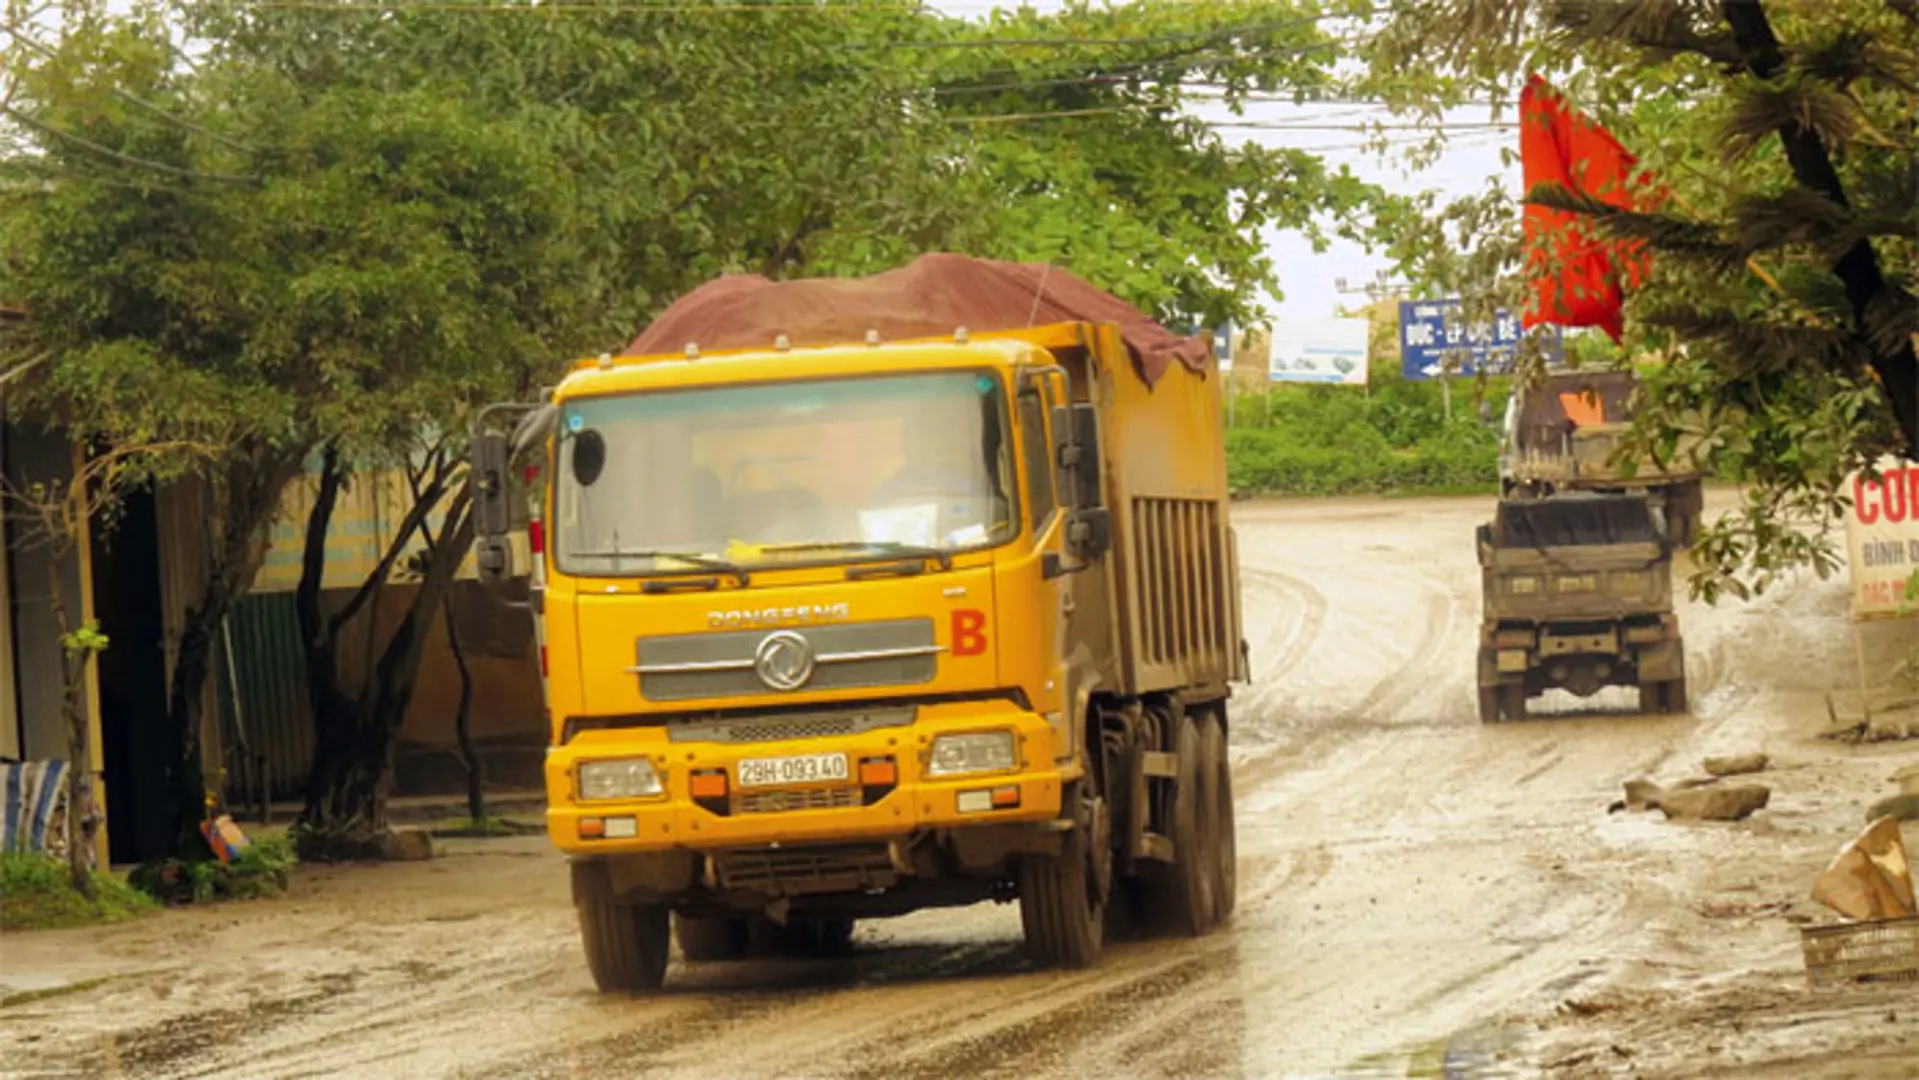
816,471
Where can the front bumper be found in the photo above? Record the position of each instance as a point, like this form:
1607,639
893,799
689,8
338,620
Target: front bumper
676,820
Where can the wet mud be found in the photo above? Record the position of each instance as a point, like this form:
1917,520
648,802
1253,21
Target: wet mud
1421,895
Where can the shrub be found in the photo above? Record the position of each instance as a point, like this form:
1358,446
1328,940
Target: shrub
262,869
37,893
1331,440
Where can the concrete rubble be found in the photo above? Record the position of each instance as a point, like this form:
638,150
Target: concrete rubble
1729,802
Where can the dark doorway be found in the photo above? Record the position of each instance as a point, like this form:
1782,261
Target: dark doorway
137,744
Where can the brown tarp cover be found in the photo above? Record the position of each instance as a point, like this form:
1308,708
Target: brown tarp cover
931,297
1542,417
1574,520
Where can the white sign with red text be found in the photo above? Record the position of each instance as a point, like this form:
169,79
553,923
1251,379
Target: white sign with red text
1882,538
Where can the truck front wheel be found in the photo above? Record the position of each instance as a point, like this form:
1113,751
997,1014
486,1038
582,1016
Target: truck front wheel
1061,904
626,943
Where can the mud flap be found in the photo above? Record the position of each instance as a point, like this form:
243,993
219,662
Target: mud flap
650,876
1660,663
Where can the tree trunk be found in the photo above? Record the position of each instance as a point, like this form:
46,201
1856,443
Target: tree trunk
462,723
249,492
347,790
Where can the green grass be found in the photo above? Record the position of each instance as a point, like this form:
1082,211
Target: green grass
263,869
492,827
36,893
1333,440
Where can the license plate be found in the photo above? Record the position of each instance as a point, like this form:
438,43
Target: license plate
798,769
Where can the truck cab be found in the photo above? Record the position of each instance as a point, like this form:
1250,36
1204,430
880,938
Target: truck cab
1578,597
841,632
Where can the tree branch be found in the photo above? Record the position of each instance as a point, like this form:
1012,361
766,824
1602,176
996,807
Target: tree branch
1812,167
422,506
125,159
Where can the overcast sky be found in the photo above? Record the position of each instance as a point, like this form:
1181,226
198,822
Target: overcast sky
1308,278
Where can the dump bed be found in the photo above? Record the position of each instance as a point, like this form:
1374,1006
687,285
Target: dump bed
1173,574
1575,557
1569,431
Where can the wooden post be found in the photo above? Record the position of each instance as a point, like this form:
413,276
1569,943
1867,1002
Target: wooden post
9,706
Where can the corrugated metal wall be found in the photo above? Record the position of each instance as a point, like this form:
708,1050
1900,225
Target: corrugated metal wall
273,720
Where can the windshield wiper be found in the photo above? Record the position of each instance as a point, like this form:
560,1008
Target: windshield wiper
881,549
697,562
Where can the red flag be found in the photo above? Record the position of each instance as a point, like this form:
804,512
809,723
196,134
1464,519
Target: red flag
1578,277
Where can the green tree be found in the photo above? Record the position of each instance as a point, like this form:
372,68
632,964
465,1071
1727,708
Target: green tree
1786,263
319,236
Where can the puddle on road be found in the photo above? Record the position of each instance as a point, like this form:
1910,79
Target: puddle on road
1484,1052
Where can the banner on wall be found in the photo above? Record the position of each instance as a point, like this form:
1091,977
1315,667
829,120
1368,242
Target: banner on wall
1882,538
1319,351
362,526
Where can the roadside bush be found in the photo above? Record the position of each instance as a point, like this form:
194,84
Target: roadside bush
1310,441
263,869
37,893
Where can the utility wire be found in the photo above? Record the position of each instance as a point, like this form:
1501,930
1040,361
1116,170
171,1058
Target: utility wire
106,151
133,99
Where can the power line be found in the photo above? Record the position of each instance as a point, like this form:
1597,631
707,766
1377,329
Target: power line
569,6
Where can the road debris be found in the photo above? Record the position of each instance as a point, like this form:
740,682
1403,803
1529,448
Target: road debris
1730,802
1643,794
1737,765
406,845
1869,878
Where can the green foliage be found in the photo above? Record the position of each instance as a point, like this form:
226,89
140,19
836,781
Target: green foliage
86,641
262,869
1785,252
37,893
1327,440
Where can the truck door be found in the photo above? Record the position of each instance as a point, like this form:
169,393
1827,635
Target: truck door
1050,611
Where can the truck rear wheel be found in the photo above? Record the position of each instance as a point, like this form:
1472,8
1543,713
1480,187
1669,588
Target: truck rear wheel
710,937
1489,704
1512,701
1061,906
626,943
1225,837
1182,891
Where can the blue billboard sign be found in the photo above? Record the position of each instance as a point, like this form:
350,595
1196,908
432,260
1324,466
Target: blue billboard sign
1432,332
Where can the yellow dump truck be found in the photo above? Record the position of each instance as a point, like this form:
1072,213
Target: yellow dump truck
845,632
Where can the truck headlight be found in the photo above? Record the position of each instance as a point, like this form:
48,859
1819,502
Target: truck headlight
956,755
626,778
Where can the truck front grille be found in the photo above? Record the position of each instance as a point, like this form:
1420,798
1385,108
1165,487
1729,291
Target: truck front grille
683,667
779,802
780,727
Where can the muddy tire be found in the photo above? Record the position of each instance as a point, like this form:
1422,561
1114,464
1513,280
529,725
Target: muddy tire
710,937
626,943
1225,836
1489,704
1181,892
1060,906
1512,701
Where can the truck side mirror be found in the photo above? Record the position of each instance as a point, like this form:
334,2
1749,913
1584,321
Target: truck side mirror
493,513
1089,528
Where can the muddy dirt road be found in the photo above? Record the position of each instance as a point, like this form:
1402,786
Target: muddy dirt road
1420,895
